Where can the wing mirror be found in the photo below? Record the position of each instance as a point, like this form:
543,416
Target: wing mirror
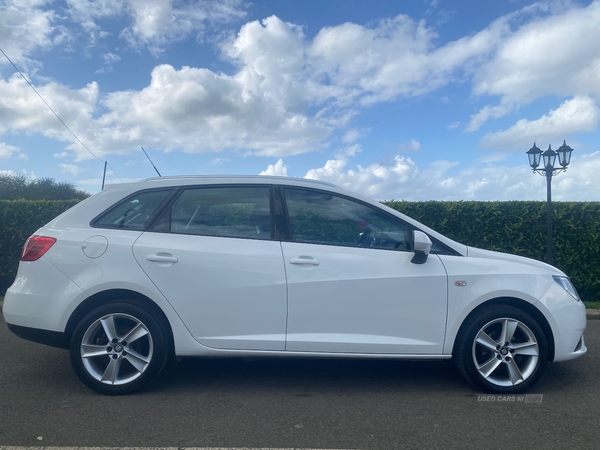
421,247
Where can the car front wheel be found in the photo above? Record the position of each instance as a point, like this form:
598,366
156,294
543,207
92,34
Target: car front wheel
502,350
118,348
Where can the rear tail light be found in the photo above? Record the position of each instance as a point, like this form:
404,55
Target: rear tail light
36,247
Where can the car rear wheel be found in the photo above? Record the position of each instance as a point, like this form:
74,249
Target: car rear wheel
119,348
502,350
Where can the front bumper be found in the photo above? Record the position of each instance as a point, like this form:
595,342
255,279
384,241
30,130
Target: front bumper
567,319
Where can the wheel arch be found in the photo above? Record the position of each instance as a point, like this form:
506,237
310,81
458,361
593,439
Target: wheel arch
104,297
519,304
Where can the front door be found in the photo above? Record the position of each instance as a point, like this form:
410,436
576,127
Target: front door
352,287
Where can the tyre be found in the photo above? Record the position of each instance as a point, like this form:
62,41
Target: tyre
119,348
502,350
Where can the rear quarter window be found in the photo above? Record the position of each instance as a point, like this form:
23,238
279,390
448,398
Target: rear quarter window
134,212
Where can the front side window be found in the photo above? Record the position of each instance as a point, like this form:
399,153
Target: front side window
319,217
134,212
219,211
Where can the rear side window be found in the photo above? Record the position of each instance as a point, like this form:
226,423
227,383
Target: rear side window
227,211
134,212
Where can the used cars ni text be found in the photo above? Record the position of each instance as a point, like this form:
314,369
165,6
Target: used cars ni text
268,266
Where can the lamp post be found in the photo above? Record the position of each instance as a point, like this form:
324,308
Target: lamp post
548,170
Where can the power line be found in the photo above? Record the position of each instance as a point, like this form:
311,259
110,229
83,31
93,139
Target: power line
57,116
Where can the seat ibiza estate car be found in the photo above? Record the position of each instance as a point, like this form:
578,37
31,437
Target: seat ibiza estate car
272,266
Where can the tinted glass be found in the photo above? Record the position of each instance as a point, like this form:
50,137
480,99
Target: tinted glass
321,218
220,211
134,212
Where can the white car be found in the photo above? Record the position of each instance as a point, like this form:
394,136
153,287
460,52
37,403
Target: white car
268,266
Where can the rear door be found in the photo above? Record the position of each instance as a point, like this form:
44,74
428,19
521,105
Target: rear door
213,256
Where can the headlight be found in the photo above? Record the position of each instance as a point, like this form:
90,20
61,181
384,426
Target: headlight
566,284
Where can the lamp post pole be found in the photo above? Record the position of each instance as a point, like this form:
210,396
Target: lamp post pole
549,158
549,246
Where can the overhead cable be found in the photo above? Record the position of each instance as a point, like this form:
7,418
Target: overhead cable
57,116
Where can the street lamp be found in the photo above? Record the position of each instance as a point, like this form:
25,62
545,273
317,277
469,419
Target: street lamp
548,158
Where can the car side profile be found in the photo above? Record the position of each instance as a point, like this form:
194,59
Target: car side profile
274,266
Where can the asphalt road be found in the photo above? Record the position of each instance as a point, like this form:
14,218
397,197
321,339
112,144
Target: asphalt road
297,403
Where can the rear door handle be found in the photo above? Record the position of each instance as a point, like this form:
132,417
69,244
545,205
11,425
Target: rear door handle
305,260
162,258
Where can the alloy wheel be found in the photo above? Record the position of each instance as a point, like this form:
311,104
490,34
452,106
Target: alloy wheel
505,352
116,349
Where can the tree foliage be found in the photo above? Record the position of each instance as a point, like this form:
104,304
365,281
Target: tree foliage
20,187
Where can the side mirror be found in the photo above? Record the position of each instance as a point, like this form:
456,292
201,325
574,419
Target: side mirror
421,247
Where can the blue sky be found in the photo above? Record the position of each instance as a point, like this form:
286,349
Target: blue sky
413,100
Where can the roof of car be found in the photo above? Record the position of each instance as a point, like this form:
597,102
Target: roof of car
236,178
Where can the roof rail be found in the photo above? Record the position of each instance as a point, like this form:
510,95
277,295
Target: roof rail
268,177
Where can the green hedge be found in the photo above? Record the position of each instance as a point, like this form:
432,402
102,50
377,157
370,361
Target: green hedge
511,227
520,228
19,219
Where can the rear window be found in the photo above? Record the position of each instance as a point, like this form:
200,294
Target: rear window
134,212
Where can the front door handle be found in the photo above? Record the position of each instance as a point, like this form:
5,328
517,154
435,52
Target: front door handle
162,258
305,260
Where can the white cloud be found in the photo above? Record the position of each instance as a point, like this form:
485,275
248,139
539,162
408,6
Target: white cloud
24,28
70,168
110,58
287,94
21,110
492,158
261,109
155,23
401,179
453,125
9,173
277,169
396,57
486,113
579,114
412,146
8,151
350,150
218,161
556,54
200,111
353,135
372,181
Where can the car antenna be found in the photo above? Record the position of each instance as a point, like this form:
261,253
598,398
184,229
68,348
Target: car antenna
151,162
